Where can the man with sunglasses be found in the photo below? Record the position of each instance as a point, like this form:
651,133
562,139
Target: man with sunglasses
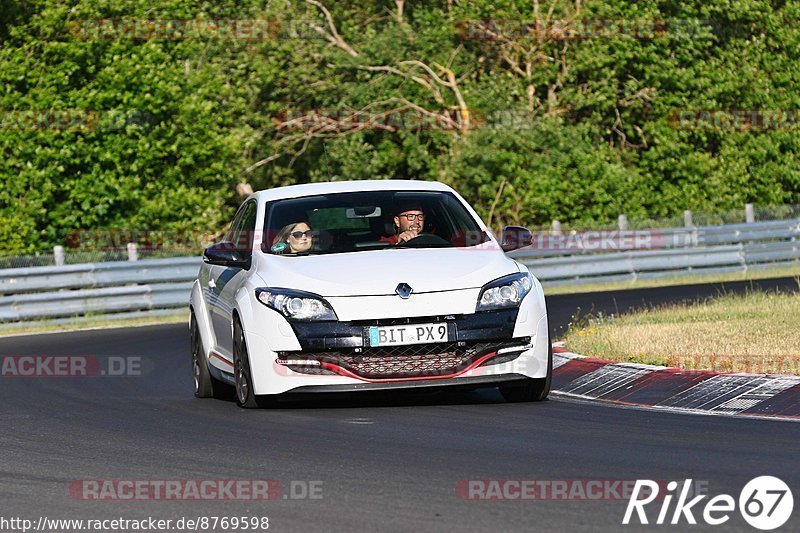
409,220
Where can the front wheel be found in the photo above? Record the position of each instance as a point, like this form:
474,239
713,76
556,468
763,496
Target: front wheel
245,396
245,392
534,389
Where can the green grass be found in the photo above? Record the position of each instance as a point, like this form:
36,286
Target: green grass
755,333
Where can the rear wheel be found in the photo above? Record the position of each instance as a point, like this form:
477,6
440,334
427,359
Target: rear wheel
534,389
205,386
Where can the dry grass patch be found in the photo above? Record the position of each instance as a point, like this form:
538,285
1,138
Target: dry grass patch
755,333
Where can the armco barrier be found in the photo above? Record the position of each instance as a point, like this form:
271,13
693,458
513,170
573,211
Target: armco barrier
156,285
94,301
24,280
96,288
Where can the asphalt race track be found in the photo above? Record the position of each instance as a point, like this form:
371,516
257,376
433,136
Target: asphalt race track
385,463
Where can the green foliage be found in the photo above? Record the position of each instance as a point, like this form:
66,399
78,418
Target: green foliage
550,172
583,132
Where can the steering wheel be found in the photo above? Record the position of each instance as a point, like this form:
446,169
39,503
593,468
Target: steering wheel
425,240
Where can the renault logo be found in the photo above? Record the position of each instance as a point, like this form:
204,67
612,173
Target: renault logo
404,290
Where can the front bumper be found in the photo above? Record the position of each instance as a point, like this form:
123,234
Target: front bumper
484,348
467,383
414,362
487,326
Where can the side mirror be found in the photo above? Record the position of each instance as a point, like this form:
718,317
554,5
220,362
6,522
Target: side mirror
225,254
514,237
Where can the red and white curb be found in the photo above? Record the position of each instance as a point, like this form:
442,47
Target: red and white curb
673,389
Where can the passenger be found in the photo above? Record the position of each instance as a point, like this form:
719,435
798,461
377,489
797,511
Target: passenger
409,220
294,238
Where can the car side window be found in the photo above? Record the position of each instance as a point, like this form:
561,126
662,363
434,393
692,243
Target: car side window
244,230
234,223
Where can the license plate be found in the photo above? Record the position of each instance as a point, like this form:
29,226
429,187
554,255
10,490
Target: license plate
407,334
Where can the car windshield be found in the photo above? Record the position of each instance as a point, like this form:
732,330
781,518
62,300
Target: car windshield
360,221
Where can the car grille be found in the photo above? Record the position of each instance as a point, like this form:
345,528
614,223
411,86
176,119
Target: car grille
397,362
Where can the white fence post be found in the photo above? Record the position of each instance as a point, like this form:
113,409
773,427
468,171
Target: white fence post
133,253
687,219
622,221
58,254
749,213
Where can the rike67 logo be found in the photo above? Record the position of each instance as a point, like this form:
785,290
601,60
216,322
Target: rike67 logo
765,503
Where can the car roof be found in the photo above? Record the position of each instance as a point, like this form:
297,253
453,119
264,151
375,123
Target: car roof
331,187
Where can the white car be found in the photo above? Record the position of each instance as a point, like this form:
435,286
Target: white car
316,288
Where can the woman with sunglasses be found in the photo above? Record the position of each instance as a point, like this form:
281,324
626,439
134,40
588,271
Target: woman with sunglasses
294,238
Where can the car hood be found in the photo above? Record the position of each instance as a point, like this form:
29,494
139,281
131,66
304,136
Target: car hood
378,272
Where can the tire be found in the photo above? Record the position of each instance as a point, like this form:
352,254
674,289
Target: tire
535,389
205,386
245,394
245,397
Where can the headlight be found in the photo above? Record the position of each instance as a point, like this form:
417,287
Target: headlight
505,292
296,305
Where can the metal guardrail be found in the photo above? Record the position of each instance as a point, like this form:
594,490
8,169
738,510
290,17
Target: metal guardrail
666,238
96,288
94,301
149,271
706,250
156,285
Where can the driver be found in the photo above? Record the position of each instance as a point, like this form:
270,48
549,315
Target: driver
409,220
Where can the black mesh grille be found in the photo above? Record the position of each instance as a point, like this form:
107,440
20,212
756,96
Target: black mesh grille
382,366
419,360
311,370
